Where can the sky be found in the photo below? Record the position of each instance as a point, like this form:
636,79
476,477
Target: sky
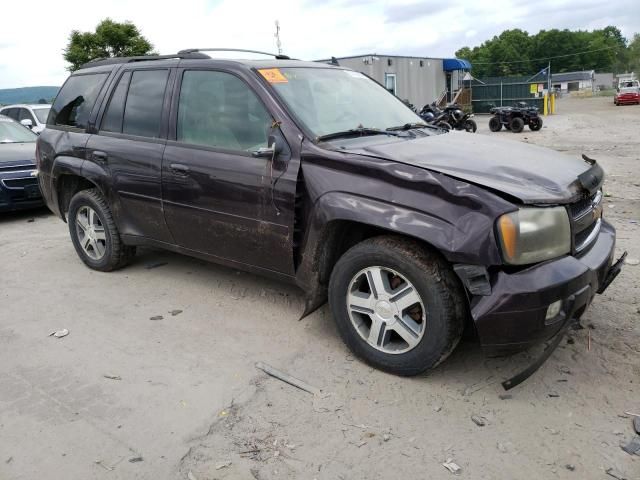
310,29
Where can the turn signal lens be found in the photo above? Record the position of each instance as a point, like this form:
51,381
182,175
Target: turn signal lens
508,234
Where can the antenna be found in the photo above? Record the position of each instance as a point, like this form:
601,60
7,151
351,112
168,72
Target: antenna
277,35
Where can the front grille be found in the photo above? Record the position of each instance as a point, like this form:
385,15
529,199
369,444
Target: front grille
585,215
19,182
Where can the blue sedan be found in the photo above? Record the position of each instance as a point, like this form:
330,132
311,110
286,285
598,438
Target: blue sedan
18,182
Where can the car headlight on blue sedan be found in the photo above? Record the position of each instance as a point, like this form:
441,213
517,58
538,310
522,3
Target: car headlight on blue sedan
531,235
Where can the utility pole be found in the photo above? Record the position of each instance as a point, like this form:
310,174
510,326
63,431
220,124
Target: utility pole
277,35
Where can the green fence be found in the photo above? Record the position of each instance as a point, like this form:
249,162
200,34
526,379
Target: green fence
505,91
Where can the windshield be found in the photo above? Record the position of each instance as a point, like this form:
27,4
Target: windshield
42,114
330,100
12,132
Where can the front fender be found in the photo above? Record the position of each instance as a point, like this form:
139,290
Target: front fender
467,238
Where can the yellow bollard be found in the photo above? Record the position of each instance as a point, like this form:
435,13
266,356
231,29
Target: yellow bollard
545,108
553,103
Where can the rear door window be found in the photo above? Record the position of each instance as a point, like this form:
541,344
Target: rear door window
143,106
76,99
12,113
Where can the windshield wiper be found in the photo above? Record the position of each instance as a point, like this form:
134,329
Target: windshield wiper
407,126
361,131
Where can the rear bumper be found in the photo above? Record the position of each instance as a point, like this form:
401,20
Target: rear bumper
19,191
627,100
512,317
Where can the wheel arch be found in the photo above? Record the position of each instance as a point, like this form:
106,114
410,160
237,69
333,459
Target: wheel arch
340,220
72,175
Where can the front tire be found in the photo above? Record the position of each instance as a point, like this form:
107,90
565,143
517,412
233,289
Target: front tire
516,125
94,233
470,126
494,124
397,306
535,124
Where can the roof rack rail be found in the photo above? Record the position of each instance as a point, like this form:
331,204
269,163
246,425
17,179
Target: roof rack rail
278,56
97,62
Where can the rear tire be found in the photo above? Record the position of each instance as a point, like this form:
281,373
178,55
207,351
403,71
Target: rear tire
494,124
94,233
516,125
535,124
444,125
432,326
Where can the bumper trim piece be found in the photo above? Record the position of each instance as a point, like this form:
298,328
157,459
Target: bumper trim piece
531,369
573,303
612,273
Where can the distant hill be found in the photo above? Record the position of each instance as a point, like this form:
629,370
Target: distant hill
27,94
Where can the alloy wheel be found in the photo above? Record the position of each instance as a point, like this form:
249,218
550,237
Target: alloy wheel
386,310
91,233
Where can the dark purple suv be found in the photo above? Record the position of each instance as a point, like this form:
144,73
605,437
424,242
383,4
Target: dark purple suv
316,175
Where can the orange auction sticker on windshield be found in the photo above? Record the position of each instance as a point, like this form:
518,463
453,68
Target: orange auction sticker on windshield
273,75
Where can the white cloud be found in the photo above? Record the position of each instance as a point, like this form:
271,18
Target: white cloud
310,29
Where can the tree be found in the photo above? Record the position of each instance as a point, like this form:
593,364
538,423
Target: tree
515,52
633,62
111,39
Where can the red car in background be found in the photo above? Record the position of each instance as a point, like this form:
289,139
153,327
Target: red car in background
628,93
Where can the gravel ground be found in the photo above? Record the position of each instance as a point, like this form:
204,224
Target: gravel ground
185,401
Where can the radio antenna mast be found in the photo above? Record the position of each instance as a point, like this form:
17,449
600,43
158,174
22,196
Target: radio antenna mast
277,35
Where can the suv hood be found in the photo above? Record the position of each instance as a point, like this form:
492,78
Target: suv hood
530,173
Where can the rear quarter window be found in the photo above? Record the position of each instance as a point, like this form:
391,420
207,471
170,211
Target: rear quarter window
76,99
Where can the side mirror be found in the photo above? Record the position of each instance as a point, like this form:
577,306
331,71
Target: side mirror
27,123
273,150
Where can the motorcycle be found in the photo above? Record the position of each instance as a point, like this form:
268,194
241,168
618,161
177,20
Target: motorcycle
454,117
432,115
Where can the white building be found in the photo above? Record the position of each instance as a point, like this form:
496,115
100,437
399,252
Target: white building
420,80
573,81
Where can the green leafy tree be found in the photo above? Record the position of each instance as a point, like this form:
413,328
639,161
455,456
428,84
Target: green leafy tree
515,52
633,55
111,39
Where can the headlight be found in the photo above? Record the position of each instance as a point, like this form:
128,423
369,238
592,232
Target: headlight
532,235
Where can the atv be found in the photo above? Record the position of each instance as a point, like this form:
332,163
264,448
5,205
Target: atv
515,118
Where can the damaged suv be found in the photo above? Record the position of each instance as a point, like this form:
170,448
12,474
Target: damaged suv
316,175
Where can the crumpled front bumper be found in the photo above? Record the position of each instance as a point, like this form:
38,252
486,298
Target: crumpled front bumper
512,317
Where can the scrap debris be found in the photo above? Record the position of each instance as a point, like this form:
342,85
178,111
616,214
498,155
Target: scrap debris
633,447
113,377
103,465
59,333
612,472
479,421
222,465
452,467
156,317
287,378
151,266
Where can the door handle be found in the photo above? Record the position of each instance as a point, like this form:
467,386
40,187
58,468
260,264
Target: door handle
100,156
179,169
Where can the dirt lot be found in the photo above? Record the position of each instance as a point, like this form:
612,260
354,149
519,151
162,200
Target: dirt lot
187,401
